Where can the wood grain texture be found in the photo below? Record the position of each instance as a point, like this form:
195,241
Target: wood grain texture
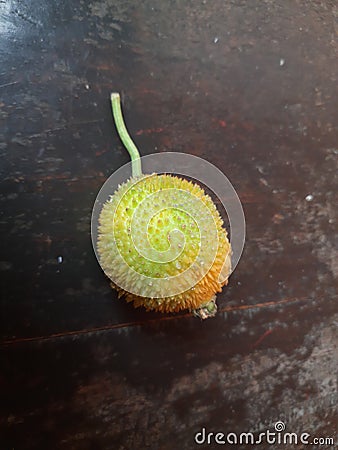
249,86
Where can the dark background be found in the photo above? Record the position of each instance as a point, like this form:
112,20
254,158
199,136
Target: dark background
251,86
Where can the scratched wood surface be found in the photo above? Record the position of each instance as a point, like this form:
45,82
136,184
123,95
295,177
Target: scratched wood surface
251,87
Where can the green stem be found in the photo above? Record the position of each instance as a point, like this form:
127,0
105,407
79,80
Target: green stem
124,135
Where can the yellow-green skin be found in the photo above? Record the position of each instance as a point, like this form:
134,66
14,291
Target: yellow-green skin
117,237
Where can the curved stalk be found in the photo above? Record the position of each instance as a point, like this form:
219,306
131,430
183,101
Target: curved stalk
124,135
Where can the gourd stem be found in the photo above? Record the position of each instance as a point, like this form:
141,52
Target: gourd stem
124,135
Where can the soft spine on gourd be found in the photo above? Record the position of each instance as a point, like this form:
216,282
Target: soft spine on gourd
115,239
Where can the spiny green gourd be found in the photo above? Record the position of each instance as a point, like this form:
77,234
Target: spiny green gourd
161,240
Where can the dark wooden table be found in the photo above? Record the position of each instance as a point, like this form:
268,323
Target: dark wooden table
251,86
